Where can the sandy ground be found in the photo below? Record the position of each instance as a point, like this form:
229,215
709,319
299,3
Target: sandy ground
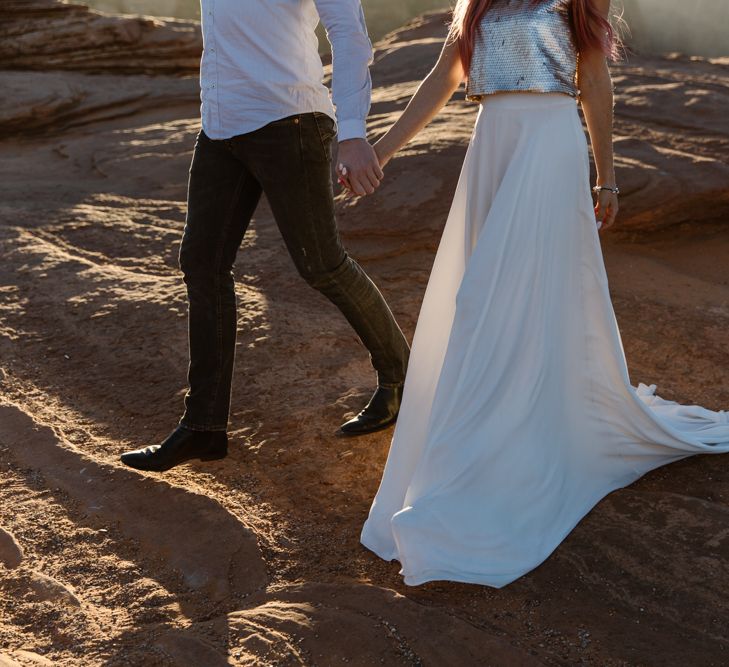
255,560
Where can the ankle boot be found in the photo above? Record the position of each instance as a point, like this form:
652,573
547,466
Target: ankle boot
181,445
379,413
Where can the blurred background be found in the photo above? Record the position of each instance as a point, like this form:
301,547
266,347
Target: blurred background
699,27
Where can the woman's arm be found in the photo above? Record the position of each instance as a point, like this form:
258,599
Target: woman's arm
430,97
596,98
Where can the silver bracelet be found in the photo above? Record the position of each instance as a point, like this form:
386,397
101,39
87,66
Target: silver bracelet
598,188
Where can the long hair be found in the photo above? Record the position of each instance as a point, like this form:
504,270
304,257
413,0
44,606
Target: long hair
589,27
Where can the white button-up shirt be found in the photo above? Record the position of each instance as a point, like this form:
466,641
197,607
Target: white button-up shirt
261,63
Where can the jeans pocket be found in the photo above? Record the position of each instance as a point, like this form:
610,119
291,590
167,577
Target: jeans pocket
326,130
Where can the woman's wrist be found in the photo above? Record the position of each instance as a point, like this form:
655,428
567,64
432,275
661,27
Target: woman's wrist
599,188
606,178
383,152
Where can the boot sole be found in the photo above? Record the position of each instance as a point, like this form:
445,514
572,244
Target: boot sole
205,457
353,434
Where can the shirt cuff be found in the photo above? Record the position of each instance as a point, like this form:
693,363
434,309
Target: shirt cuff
352,128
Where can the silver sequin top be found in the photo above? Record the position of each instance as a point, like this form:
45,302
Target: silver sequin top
521,46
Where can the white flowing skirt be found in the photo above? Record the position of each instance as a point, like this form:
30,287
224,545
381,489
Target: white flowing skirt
518,414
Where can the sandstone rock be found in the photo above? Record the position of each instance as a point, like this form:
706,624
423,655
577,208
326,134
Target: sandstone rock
182,650
43,101
348,623
11,553
46,588
53,35
84,41
30,659
212,550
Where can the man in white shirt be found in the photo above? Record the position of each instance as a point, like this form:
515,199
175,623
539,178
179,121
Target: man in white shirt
267,127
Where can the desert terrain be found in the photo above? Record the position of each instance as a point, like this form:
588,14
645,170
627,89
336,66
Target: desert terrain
255,560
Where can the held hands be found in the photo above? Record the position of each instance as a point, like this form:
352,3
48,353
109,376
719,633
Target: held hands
351,180
358,168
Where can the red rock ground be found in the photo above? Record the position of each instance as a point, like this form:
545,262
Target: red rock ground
255,560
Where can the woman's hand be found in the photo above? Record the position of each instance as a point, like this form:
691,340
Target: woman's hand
343,180
606,209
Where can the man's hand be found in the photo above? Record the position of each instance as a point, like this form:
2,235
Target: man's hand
358,166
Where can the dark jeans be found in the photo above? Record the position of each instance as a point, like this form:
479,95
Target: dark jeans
290,161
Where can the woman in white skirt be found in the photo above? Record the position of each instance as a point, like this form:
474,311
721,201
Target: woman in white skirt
518,415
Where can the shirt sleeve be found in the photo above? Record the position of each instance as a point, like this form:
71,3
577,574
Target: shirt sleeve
351,57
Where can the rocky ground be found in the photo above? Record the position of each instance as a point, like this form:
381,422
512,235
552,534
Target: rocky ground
255,560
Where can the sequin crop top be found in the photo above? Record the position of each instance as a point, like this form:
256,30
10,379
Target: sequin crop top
521,46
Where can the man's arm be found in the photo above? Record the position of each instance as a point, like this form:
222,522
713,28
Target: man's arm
351,89
351,58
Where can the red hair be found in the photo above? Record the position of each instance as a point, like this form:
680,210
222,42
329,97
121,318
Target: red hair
589,27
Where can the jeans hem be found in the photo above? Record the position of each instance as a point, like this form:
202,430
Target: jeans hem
391,385
198,427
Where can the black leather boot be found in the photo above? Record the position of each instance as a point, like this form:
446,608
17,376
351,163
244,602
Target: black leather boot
379,413
180,446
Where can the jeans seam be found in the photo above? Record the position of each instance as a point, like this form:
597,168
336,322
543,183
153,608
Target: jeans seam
347,258
309,205
356,302
218,299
